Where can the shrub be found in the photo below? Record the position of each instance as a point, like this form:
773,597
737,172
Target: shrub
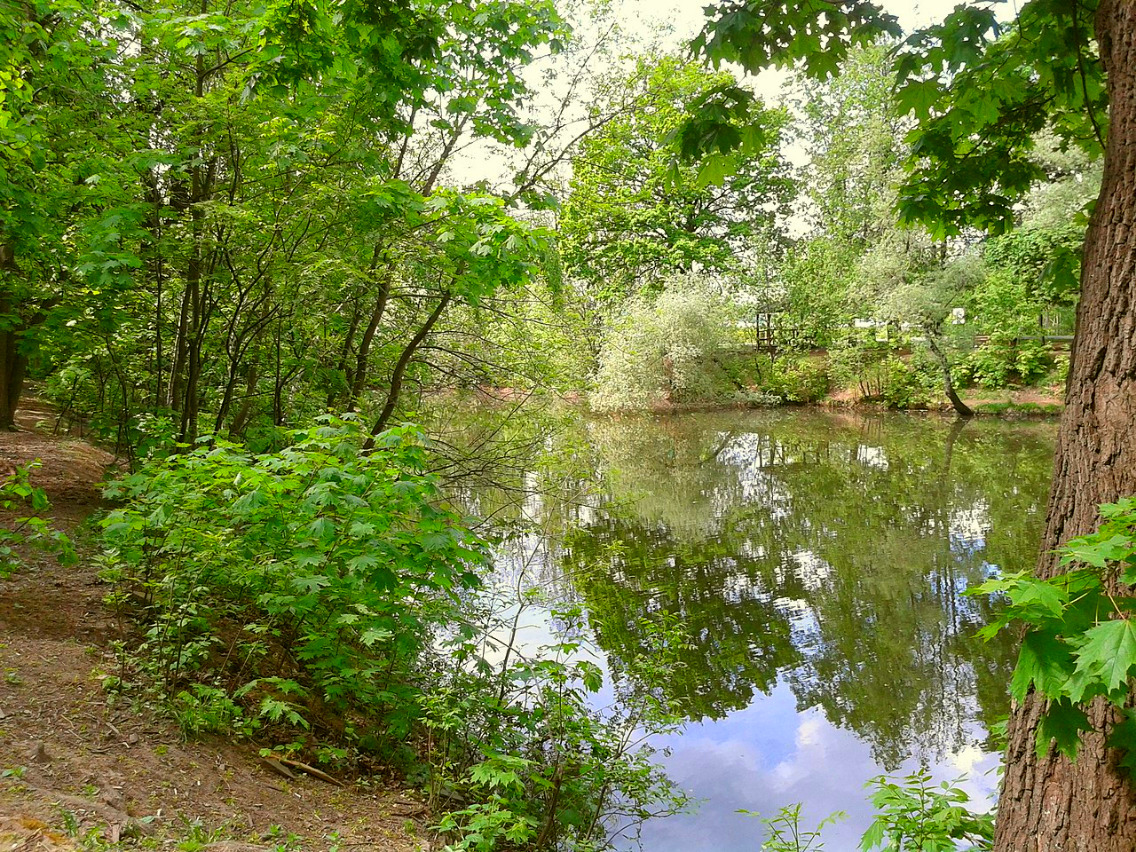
912,382
795,379
880,373
857,362
912,813
298,581
1059,374
665,349
23,506
540,763
915,813
1001,362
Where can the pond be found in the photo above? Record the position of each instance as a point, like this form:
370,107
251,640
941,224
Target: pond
817,562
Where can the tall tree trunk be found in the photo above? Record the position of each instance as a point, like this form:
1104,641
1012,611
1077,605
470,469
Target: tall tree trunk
197,291
1047,802
362,357
333,394
245,411
13,363
181,347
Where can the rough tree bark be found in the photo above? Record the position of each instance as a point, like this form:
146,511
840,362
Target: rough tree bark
1049,803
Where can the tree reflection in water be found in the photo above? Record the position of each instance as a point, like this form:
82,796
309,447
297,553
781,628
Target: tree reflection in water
829,551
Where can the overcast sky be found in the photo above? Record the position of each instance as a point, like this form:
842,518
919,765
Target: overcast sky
669,25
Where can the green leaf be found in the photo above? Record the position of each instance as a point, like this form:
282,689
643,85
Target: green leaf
1062,723
1098,553
311,583
375,634
1046,662
918,97
1038,595
1108,651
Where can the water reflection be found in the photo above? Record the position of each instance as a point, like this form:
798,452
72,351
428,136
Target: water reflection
817,561
827,551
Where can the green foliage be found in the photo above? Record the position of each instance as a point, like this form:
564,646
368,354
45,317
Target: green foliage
855,145
630,221
1000,363
518,735
795,379
302,581
979,91
900,384
486,826
784,832
1080,642
916,815
667,348
880,371
1043,263
24,528
232,218
205,709
818,37
913,814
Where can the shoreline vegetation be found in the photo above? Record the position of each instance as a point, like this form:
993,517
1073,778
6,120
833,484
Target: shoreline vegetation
1010,403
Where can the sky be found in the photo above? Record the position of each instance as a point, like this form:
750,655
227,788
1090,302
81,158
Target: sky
669,25
686,18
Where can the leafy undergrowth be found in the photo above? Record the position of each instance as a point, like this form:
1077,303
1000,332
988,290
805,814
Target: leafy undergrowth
83,766
320,605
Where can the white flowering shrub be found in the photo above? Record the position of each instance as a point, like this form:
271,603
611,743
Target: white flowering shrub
667,348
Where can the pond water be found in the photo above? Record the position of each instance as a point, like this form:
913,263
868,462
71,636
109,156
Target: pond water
817,561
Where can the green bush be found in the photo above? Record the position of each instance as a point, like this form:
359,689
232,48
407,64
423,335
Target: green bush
912,813
23,506
912,382
666,348
1059,374
301,582
915,813
795,379
1002,362
878,372
530,750
856,361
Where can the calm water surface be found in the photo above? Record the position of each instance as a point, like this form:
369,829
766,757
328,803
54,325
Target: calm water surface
818,562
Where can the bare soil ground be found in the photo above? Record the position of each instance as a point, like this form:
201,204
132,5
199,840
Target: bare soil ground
81,768
1046,397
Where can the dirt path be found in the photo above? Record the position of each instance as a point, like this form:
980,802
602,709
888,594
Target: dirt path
81,766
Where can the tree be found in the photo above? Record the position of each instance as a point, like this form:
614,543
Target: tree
855,145
53,91
980,93
924,298
233,217
630,222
